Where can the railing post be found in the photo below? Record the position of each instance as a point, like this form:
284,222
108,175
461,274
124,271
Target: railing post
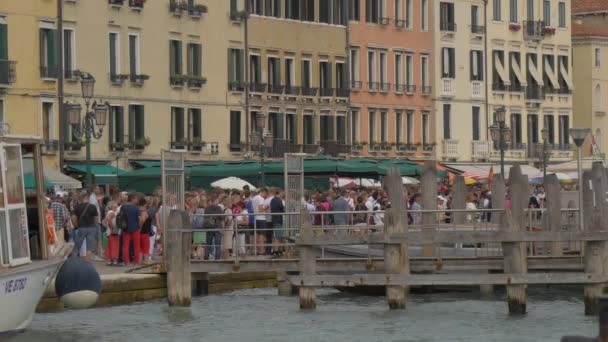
514,253
307,264
553,215
595,251
395,255
458,200
177,252
429,202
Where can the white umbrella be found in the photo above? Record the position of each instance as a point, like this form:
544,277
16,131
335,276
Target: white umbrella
409,180
231,183
368,183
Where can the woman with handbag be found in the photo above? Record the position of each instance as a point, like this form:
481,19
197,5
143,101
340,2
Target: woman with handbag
112,250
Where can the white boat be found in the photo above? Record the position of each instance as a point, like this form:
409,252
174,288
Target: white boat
23,277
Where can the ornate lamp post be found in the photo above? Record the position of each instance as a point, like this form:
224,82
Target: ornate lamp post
501,135
266,141
578,136
94,120
545,155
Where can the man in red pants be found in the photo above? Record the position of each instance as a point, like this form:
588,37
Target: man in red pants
134,220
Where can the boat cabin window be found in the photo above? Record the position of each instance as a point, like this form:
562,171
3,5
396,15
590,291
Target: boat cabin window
14,175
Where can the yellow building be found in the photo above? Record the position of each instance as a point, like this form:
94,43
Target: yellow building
298,74
529,70
162,68
28,68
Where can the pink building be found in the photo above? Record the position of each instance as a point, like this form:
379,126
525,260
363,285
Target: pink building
390,64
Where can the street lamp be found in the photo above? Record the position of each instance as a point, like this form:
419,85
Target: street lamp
261,124
579,135
545,155
501,135
93,123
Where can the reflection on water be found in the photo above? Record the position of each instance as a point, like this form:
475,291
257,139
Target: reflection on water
261,315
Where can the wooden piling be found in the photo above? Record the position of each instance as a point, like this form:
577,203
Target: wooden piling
458,199
553,215
396,260
429,201
307,263
284,287
177,254
514,253
594,201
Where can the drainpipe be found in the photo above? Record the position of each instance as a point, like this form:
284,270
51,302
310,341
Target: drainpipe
348,61
60,96
485,64
247,80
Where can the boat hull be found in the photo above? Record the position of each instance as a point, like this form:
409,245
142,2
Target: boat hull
20,291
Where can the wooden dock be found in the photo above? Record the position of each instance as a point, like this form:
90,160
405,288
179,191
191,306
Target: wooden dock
514,239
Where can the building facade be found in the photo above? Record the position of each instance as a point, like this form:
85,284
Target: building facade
298,75
28,104
590,50
529,70
390,78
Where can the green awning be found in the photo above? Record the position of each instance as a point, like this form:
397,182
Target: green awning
104,174
29,181
358,167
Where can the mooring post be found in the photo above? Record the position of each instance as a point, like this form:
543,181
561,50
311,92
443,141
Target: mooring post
553,215
429,202
307,264
498,197
594,250
514,253
458,199
284,286
396,259
177,253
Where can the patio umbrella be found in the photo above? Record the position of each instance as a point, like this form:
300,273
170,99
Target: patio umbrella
231,183
562,177
410,180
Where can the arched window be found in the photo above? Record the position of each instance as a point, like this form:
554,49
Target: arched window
599,103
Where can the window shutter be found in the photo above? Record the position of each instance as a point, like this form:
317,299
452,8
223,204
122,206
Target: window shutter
120,125
329,75
472,64
368,11
172,68
131,124
198,59
142,123
43,61
446,121
132,57
112,124
179,59
3,42
113,54
452,63
52,49
480,65
268,7
231,65
67,51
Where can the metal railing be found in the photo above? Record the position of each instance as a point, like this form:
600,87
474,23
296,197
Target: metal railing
534,29
8,72
478,29
535,92
327,92
447,26
48,72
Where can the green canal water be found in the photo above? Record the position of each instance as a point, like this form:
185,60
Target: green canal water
261,315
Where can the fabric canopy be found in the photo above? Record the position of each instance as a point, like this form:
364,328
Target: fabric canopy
550,73
565,74
29,181
500,69
534,71
104,174
51,176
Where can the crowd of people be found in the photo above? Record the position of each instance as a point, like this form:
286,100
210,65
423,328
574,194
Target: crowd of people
126,228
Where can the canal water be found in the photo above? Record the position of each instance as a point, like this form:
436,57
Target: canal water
261,315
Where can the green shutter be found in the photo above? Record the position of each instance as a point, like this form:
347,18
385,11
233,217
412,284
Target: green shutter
132,56
112,124
198,58
67,52
231,65
52,49
179,60
3,42
172,71
131,123
43,61
113,70
120,122
142,122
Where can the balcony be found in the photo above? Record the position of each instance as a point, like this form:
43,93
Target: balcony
383,21
73,146
426,90
118,79
282,146
374,86
8,72
480,150
500,87
310,148
410,88
118,146
447,26
138,79
326,92
196,81
48,72
177,7
407,148
449,149
257,87
356,85
137,4
236,86
554,151
478,29
447,88
291,90
335,148
564,91
116,3
516,88
385,86
178,80
181,144
400,88
50,146
276,89
196,10
535,92
534,29
342,92
196,145
307,91
476,89
401,23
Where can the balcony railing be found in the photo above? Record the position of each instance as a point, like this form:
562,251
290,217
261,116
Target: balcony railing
310,148
480,150
138,78
400,88
327,92
447,87
534,92
385,86
516,88
282,146
275,89
450,149
564,91
383,21
48,72
179,145
177,80
410,88
118,78
116,2
426,90
373,85
534,29
476,89
8,72
50,146
401,23
342,92
257,87
236,86
500,87
356,85
335,148
291,90
307,91
478,29
137,3
447,26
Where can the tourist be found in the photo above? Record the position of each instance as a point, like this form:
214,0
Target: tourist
227,229
277,207
341,205
416,208
242,223
85,218
259,209
154,213
145,231
199,236
61,217
213,223
113,234
134,219
470,205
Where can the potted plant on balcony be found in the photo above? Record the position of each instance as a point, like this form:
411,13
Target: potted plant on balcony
75,145
196,81
197,10
549,30
178,80
428,147
137,3
357,146
118,146
196,144
514,27
140,143
385,146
